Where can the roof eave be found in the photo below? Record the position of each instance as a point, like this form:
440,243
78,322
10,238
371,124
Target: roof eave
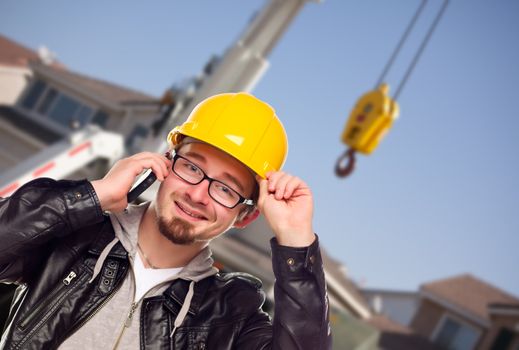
485,323
49,74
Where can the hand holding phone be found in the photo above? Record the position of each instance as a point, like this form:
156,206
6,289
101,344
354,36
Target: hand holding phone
137,190
115,191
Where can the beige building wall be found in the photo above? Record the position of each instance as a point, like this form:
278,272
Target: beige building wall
12,82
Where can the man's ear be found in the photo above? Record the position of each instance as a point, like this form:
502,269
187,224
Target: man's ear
247,219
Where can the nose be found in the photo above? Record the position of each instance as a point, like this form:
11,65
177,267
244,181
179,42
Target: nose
199,193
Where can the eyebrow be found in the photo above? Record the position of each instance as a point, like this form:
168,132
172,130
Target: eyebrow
229,177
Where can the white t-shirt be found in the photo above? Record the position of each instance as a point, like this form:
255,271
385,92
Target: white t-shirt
145,279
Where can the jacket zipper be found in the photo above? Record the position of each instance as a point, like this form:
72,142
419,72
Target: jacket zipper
43,311
69,278
83,322
44,306
133,307
128,321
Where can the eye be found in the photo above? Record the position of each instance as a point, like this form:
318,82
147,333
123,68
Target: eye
224,190
191,168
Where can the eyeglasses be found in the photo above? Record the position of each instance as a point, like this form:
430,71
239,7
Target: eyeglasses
218,191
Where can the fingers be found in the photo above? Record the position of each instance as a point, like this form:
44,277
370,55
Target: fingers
281,185
159,164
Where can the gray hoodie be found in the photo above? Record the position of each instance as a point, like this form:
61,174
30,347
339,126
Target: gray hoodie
115,325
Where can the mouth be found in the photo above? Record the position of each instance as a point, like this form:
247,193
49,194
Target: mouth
189,213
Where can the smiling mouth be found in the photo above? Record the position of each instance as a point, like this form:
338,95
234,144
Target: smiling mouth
189,213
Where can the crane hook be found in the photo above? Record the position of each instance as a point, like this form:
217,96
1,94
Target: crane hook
346,163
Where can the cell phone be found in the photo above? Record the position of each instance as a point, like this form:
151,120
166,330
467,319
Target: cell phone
137,190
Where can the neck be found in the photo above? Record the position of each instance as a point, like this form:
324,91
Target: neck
159,251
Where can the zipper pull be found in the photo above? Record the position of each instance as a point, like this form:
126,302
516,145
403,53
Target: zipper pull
69,278
128,321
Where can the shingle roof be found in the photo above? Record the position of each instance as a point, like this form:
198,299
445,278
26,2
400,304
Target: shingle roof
112,92
16,55
469,293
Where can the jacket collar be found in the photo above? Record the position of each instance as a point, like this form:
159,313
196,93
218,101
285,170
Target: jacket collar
105,237
177,291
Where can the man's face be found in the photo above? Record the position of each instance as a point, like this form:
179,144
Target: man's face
186,213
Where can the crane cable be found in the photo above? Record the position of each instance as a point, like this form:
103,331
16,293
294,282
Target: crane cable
346,162
398,47
421,49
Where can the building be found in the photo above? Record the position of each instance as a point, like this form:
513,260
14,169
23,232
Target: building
54,103
49,103
354,323
43,104
464,312
14,69
400,306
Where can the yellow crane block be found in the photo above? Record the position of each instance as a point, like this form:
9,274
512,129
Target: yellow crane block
370,120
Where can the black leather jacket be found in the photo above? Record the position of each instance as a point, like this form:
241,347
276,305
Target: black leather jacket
51,234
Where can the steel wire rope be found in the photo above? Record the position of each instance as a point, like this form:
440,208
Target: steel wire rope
421,49
401,43
346,163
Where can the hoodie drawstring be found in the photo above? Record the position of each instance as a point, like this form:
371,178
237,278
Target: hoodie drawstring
184,309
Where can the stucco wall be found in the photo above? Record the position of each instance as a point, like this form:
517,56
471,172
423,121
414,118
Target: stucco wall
12,82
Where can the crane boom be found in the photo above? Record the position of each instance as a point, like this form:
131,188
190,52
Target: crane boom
242,65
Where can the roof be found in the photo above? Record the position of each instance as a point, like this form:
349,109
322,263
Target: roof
15,55
101,88
396,336
469,293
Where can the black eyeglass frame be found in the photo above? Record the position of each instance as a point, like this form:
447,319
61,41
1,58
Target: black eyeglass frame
242,200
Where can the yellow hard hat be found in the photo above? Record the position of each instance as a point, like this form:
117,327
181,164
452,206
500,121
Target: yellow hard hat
241,125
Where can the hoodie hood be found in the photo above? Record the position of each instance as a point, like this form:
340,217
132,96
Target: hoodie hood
126,228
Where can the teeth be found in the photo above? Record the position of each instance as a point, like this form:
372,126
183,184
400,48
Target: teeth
190,213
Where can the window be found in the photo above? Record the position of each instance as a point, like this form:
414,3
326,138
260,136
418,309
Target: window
83,115
456,335
34,93
503,339
66,111
50,103
63,110
50,96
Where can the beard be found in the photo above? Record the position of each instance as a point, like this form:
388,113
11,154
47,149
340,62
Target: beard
176,230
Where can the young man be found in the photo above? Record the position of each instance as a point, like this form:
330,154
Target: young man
95,273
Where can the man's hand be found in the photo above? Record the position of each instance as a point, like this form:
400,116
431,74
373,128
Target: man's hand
287,204
114,187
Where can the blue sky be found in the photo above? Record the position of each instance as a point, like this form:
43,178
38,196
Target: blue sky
439,196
